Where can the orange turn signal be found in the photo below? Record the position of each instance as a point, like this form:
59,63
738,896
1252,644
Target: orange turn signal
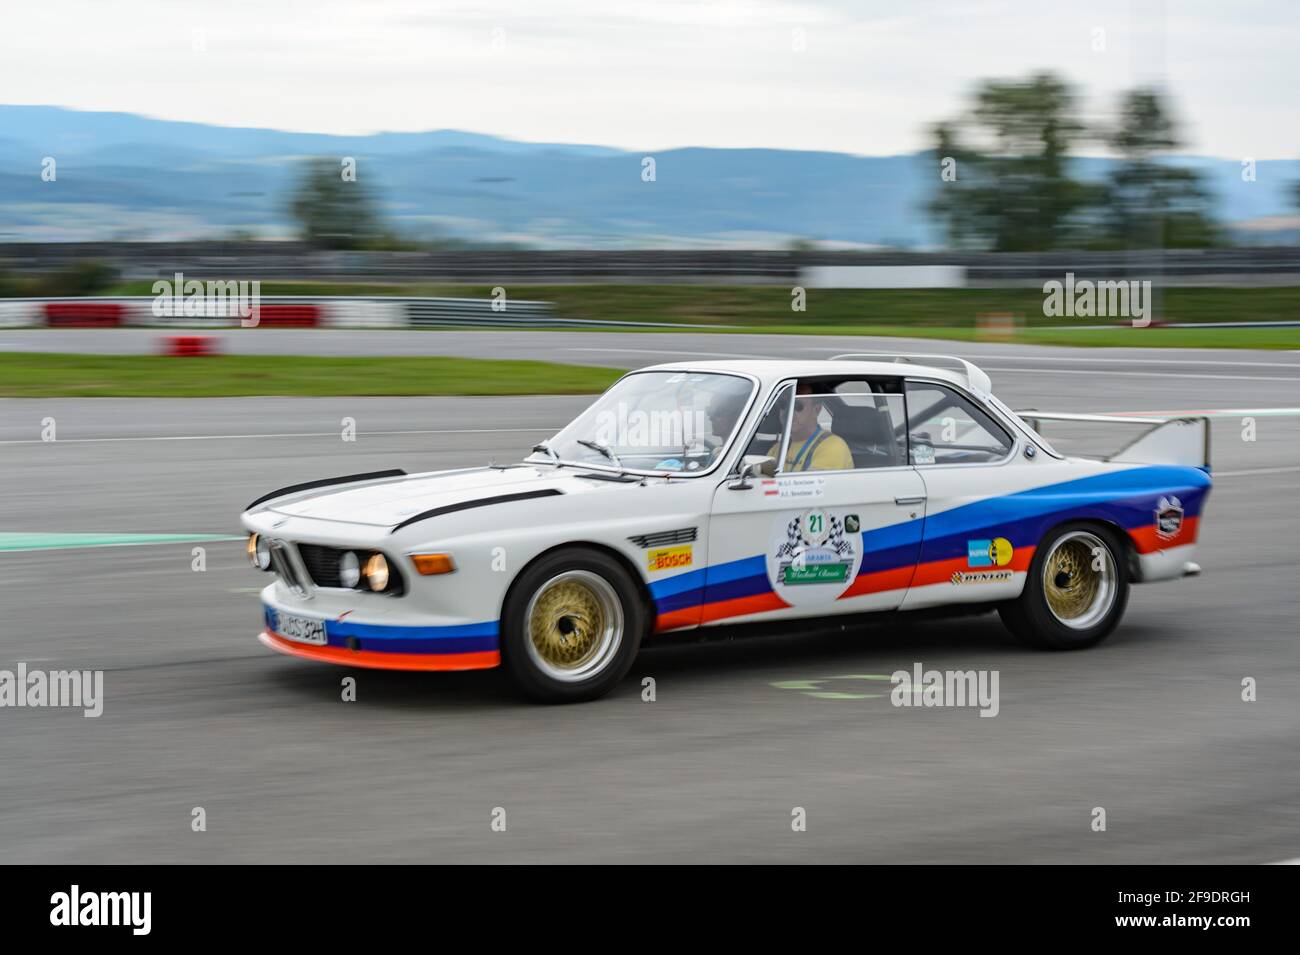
430,564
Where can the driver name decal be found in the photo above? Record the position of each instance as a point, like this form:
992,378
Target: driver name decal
788,487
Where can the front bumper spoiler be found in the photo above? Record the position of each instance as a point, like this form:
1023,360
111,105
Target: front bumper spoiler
477,660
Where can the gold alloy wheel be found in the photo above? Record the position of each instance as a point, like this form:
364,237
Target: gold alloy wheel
575,625
1079,580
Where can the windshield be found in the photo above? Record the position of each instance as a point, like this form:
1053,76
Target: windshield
655,421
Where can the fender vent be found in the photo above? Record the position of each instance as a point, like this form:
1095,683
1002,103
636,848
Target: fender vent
683,535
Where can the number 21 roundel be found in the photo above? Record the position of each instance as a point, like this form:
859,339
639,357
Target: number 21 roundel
813,556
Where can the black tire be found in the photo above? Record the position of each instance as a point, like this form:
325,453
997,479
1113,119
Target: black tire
1031,617
576,571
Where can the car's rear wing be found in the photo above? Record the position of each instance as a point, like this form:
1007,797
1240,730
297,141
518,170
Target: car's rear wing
975,377
1182,440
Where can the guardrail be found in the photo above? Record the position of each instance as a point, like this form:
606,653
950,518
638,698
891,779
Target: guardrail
284,311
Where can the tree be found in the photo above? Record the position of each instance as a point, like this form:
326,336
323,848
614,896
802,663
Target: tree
1147,202
1012,189
333,211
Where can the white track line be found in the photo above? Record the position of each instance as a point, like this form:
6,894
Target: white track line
1254,471
688,354
1103,361
1139,374
297,434
1210,413
1013,371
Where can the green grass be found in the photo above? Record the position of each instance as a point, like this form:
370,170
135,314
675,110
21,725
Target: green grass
1264,338
35,375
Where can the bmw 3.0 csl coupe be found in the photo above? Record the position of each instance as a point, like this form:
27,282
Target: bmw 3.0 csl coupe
703,493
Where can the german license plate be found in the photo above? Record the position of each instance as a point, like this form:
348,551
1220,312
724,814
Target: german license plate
300,629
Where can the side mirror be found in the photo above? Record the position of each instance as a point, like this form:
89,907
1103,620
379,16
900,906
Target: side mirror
750,466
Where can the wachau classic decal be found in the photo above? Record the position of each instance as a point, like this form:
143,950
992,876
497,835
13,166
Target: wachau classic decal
814,556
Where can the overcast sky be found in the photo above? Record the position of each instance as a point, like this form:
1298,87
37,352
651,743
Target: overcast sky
652,74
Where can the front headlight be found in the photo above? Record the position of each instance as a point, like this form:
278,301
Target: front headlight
376,572
349,569
259,552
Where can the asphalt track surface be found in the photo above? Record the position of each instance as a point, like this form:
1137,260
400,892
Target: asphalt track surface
1150,725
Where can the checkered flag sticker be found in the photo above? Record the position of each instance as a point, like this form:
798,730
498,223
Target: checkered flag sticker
836,540
793,540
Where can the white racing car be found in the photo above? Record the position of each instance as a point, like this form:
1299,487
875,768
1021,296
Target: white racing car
697,494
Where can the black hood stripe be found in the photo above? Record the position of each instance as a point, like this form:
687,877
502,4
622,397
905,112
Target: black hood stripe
478,502
346,479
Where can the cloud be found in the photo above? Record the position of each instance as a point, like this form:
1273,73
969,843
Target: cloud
860,77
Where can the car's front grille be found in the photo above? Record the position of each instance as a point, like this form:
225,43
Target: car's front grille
282,564
322,563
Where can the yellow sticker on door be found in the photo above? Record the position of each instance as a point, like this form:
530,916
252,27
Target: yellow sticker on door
670,558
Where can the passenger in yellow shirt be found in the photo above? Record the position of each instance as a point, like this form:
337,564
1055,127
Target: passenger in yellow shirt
811,447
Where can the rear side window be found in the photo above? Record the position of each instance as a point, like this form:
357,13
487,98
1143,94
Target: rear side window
868,415
944,427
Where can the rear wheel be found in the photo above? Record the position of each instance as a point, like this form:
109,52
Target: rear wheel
572,626
1075,592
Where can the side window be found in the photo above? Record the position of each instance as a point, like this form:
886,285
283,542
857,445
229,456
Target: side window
943,427
812,443
869,416
766,439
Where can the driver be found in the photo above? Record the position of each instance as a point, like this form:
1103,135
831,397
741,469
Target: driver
812,448
722,409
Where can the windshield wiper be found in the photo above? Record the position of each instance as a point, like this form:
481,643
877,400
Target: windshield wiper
597,446
545,448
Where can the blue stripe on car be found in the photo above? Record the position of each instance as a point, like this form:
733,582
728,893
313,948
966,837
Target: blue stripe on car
387,638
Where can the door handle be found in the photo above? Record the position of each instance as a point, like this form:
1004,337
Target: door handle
910,500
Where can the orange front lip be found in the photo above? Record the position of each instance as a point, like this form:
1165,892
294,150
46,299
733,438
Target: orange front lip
480,660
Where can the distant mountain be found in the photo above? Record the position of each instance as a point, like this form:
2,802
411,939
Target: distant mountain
129,177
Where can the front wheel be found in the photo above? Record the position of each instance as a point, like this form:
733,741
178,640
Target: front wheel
1075,591
571,626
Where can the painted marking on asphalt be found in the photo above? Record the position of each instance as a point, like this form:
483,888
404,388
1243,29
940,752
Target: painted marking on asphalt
813,688
1251,472
797,684
28,541
297,434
